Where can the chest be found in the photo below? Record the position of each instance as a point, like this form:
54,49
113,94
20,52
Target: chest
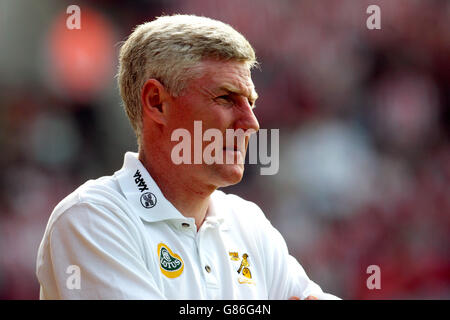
209,264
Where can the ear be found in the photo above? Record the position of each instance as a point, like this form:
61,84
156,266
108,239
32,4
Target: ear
154,97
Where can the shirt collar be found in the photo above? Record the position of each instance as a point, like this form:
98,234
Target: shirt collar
216,209
147,200
142,192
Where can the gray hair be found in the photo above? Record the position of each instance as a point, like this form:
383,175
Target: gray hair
166,48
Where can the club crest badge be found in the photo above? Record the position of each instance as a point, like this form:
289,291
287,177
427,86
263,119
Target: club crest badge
170,263
234,256
245,275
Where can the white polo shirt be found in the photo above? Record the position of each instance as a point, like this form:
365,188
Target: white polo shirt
117,237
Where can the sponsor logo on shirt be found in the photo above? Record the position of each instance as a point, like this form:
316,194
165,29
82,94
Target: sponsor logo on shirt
170,263
244,273
140,182
148,199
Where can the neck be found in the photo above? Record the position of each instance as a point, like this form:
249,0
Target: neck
189,197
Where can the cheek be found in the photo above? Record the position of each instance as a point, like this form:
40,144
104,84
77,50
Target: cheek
180,114
224,119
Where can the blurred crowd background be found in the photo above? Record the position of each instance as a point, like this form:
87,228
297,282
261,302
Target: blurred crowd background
364,174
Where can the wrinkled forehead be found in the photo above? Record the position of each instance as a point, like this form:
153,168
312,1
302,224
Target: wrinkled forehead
231,76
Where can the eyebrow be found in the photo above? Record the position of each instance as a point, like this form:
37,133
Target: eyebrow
232,89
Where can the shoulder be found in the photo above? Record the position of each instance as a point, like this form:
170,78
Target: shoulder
100,200
97,214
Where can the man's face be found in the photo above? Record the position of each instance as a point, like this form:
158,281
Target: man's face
222,97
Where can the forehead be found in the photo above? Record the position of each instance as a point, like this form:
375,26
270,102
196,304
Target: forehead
226,75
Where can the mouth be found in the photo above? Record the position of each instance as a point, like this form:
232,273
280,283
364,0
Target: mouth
232,148
233,155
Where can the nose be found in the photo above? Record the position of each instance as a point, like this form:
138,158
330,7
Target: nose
246,119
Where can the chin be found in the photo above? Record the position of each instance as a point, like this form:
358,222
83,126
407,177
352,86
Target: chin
230,174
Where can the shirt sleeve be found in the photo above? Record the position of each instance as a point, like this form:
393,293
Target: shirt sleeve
286,276
99,247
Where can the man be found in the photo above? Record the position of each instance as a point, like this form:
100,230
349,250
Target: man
160,230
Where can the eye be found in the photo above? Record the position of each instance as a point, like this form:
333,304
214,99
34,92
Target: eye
224,98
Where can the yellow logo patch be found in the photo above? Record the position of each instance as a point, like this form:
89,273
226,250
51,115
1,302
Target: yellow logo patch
234,256
170,263
245,275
